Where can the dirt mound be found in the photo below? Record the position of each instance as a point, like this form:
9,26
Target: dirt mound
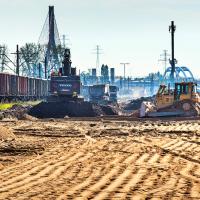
71,109
16,111
136,103
6,134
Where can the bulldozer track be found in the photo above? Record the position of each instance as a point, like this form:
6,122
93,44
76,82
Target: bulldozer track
109,167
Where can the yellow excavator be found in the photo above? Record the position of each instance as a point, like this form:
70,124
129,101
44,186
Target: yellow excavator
183,100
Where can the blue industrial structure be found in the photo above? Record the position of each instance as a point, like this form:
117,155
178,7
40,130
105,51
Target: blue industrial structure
181,74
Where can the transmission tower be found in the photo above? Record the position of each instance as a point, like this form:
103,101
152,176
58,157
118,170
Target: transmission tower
98,52
50,40
164,58
65,41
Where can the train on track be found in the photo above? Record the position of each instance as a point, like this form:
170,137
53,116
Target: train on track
14,88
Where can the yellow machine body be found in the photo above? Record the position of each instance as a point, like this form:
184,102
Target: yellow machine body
182,91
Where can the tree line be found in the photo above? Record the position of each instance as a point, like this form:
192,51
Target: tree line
31,59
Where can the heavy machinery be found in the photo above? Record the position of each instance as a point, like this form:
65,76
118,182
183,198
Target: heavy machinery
65,84
183,100
113,93
99,93
103,94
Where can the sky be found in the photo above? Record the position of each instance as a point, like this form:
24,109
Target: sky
134,31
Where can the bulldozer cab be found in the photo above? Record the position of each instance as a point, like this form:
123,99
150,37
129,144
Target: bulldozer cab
184,90
164,97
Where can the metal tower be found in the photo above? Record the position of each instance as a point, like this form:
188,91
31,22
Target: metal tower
173,61
98,52
50,40
164,58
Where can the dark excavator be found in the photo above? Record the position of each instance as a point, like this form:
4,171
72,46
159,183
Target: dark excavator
65,84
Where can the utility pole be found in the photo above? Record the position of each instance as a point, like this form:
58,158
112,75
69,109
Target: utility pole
173,61
124,64
17,59
164,58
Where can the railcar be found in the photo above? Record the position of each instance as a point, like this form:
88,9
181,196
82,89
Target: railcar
13,87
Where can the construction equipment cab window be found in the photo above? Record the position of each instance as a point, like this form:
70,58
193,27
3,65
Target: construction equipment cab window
184,90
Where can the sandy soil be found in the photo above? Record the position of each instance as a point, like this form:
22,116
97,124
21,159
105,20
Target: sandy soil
101,159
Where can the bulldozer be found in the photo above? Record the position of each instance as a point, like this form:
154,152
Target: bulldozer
183,100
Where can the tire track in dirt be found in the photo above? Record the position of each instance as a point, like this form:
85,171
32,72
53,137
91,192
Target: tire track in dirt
170,143
34,170
66,181
184,184
168,185
59,186
28,164
176,145
181,146
158,176
186,145
49,173
115,178
60,182
82,186
188,171
94,177
35,174
137,180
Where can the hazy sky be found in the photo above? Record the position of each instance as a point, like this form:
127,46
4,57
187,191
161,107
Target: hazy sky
134,31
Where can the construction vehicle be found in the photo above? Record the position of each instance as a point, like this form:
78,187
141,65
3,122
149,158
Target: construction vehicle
183,100
99,93
103,94
65,84
113,93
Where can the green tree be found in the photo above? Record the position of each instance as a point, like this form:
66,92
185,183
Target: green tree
30,56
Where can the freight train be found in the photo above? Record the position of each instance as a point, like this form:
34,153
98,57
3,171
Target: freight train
13,87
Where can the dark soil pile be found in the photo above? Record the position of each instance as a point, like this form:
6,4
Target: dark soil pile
136,103
71,109
16,111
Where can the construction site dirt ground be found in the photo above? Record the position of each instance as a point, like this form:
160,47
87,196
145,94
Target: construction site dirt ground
100,158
